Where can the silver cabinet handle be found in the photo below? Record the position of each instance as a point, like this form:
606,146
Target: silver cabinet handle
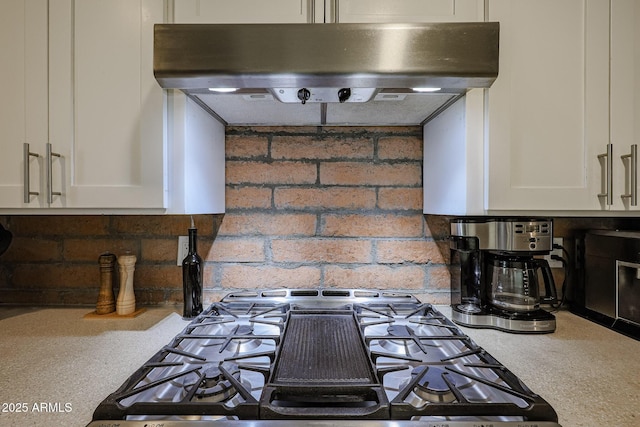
50,192
333,11
609,175
311,10
26,157
633,178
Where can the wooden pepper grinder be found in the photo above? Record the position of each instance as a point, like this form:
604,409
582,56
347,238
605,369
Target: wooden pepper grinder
126,303
106,302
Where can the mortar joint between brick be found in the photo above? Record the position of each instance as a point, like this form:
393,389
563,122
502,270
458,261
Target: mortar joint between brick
269,147
217,275
374,140
319,224
268,250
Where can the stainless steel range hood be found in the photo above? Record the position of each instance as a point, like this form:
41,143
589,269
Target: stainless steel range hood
325,74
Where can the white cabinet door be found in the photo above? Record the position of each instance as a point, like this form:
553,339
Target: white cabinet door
23,110
548,110
625,100
406,10
105,108
243,11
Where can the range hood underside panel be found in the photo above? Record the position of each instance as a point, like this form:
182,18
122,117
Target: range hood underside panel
412,110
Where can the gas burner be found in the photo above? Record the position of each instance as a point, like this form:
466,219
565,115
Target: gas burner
402,340
398,346
215,386
425,385
241,340
400,331
244,330
431,385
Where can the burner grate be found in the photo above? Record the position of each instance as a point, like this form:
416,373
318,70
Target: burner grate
329,355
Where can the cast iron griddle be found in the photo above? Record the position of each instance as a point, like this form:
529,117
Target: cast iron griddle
323,348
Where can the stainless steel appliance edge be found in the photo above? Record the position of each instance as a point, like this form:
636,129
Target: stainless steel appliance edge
318,423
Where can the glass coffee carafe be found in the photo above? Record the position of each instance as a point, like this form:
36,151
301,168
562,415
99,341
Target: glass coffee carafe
514,283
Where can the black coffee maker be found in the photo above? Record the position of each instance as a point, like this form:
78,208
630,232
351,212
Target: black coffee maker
501,275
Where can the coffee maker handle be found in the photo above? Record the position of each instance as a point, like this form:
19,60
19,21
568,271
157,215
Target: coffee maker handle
551,294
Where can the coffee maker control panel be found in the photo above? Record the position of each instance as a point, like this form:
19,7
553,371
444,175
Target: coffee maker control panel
508,235
532,236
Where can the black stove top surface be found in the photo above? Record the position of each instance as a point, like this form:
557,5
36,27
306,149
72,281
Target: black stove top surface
334,357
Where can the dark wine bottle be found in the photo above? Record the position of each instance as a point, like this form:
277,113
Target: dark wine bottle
192,277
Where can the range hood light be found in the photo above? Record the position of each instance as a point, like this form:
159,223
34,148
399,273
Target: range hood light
223,89
425,89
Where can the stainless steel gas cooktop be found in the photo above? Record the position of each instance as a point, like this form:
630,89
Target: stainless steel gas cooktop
324,358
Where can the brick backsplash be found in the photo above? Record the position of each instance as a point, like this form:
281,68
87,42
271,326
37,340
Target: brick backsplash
306,207
328,207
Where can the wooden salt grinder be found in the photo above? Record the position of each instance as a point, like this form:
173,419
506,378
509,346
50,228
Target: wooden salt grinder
126,303
106,302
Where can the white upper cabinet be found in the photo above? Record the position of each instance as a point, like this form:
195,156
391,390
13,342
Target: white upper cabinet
105,108
564,114
80,91
103,136
625,103
558,124
548,109
405,10
243,11
318,11
23,110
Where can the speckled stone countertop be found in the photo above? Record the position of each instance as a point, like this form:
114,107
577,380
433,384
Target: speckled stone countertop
588,373
56,366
